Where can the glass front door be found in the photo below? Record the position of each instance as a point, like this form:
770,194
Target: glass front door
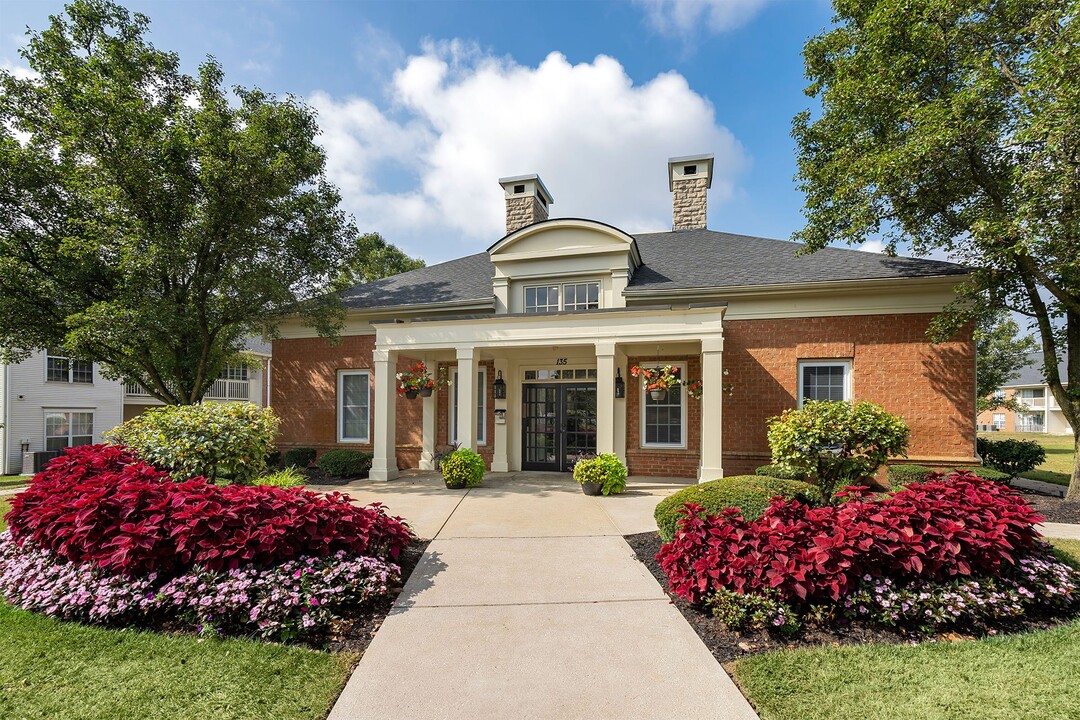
558,423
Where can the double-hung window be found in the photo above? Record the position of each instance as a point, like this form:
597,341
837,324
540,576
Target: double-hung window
64,429
354,406
663,422
824,380
568,296
481,407
61,368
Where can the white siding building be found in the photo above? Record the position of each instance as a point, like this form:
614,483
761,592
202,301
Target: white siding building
51,402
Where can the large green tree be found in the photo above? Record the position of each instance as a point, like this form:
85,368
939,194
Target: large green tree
1000,352
954,126
149,219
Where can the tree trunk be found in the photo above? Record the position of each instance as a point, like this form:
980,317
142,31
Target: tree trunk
1073,493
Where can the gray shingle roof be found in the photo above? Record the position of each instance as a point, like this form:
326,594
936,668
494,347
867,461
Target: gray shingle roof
1032,374
705,258
682,259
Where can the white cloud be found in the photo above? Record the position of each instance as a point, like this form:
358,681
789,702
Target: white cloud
685,17
872,246
424,172
20,72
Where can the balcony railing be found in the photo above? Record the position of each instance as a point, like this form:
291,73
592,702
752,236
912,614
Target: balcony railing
220,390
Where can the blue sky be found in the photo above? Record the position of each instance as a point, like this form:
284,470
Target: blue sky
424,105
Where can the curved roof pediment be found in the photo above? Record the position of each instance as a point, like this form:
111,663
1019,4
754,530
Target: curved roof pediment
564,236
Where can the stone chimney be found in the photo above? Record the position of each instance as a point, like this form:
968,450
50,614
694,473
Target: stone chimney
527,201
689,179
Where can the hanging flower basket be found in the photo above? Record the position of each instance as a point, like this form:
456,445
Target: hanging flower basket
657,380
418,381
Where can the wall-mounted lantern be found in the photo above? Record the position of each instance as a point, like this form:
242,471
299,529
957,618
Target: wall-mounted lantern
620,386
499,387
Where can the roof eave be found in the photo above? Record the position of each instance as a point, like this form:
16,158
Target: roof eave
787,288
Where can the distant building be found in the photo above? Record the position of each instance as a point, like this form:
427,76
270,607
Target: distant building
1041,412
50,401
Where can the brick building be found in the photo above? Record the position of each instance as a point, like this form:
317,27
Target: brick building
552,317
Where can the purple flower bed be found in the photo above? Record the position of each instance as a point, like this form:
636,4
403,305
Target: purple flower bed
296,598
1037,585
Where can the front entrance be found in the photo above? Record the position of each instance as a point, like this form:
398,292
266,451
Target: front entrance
558,423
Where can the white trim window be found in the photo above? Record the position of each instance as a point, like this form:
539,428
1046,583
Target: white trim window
68,428
999,421
354,406
61,368
663,422
569,296
824,380
481,406
234,372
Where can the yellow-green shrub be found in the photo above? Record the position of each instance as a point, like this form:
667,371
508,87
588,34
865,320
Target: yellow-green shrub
226,441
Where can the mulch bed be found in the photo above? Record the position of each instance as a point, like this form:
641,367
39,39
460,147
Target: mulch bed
355,634
1054,509
728,645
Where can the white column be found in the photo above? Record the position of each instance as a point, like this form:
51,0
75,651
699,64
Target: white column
384,464
605,397
466,395
712,394
620,407
431,410
500,462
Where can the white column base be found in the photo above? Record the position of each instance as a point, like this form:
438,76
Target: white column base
497,466
382,474
705,474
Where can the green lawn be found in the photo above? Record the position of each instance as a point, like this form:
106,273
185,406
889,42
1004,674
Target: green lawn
53,669
1033,675
14,481
1059,455
5,505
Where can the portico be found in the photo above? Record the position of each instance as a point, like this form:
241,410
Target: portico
581,349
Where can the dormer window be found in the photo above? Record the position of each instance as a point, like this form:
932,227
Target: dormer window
570,296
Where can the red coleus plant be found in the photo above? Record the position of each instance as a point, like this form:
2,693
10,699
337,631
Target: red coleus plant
956,526
99,503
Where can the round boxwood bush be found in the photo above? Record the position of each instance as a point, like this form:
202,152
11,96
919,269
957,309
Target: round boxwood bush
780,471
299,457
606,470
989,473
901,475
750,493
345,463
462,468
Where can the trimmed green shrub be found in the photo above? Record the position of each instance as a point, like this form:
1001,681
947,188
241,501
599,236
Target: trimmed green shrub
1011,456
606,469
751,494
287,478
463,468
780,471
900,475
837,443
299,457
989,473
219,441
345,463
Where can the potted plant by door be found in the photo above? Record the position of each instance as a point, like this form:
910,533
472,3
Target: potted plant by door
604,474
657,380
462,468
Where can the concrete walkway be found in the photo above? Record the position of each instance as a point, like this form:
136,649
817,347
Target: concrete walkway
528,603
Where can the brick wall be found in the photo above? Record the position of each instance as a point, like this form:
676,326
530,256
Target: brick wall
931,386
304,389
641,460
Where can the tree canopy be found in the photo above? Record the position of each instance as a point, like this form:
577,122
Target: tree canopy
150,220
1000,355
954,126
